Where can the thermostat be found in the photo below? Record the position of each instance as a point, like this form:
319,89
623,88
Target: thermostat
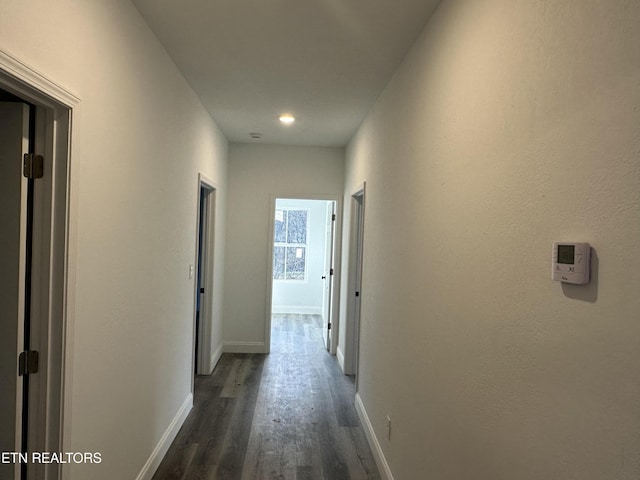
570,262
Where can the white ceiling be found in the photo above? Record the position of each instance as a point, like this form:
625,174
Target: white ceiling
325,61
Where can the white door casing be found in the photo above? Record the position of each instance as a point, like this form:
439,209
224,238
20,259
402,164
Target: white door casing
53,267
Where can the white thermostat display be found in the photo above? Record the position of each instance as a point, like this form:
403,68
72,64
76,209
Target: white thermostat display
570,262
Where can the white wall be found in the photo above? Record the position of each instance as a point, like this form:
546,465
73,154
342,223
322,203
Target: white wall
511,124
142,137
257,174
305,296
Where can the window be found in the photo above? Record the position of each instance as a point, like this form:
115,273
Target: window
290,234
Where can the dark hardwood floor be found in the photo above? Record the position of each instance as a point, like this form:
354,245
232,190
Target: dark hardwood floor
286,415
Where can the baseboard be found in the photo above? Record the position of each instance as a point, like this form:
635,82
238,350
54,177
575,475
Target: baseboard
381,462
161,449
244,347
215,357
292,309
340,357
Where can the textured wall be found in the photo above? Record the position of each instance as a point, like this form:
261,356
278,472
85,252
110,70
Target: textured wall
510,125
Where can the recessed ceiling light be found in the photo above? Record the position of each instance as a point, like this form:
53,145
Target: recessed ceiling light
287,118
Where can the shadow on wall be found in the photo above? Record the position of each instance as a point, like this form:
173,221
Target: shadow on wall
589,292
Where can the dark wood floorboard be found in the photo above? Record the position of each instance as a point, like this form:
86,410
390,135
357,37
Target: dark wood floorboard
286,415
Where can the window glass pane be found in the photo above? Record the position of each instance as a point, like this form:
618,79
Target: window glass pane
289,250
278,263
279,228
297,223
296,257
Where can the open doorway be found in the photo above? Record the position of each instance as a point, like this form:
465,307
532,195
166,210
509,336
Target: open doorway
15,141
303,271
204,277
354,289
35,243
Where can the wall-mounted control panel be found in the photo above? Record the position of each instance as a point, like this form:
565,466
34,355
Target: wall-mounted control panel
570,262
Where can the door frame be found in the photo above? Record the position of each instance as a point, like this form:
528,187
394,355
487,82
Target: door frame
55,247
354,279
335,300
205,363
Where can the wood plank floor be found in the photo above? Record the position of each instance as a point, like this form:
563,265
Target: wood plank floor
286,415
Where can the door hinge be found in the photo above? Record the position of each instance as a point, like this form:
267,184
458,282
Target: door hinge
28,362
331,271
329,326
333,217
357,294
33,166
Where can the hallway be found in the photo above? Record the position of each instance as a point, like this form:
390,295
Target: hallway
286,415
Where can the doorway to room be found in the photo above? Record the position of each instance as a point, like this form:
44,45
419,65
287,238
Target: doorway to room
204,277
303,271
354,288
35,243
16,257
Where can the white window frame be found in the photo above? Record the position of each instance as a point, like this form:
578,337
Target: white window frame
291,245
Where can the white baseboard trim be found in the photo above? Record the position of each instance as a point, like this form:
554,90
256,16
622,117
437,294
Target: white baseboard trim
340,357
215,357
165,442
293,309
244,347
381,462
